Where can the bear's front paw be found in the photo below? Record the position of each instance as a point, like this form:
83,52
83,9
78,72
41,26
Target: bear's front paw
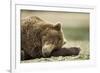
66,51
74,50
22,55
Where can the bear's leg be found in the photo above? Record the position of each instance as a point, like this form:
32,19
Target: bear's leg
66,51
25,56
22,55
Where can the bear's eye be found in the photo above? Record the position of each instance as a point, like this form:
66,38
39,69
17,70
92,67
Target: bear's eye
59,38
44,34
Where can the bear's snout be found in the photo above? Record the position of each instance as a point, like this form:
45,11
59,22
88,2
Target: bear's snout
47,49
45,52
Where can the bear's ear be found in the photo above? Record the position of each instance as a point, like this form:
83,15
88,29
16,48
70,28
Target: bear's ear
57,26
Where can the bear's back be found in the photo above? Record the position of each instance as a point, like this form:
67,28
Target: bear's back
33,20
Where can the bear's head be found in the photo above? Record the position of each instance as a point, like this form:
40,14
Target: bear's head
52,38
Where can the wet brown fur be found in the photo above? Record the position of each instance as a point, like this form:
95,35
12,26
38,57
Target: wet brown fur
32,30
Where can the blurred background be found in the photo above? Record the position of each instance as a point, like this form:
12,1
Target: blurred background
75,26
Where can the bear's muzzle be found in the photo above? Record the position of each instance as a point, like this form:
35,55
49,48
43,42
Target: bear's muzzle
47,49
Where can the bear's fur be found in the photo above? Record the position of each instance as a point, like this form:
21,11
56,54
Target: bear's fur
41,39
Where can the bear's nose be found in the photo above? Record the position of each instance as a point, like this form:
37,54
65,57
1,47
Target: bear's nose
46,54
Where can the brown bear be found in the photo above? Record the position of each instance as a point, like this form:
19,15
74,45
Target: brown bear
42,39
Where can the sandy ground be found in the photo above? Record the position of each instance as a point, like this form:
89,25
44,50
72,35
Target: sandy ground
84,53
